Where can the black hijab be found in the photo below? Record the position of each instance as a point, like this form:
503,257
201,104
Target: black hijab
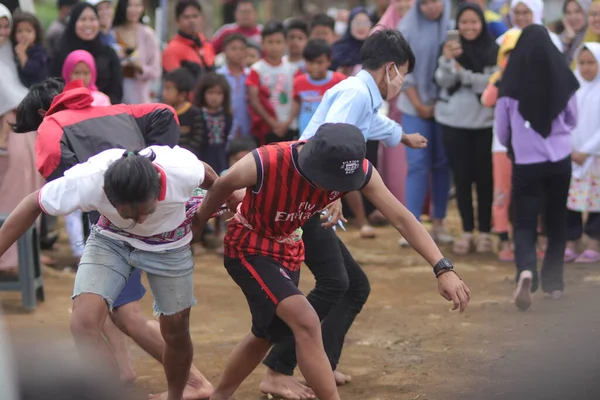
483,50
538,76
70,41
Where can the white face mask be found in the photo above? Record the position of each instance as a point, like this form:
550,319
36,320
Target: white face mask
394,85
340,27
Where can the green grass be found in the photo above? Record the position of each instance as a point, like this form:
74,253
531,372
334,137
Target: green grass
46,12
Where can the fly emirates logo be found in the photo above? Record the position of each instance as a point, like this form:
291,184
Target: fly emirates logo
305,211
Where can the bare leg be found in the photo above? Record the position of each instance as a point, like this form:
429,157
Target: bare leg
355,202
178,354
120,346
242,361
146,333
89,314
299,315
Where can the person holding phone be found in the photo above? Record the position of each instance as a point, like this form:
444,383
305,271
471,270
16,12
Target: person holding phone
465,66
424,27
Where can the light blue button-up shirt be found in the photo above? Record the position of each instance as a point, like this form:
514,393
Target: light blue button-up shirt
356,101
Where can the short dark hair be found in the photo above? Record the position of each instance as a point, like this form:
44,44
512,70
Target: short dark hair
240,144
386,45
121,13
234,37
209,81
22,16
315,48
183,4
322,20
240,2
40,97
296,23
182,78
66,3
255,46
272,28
132,179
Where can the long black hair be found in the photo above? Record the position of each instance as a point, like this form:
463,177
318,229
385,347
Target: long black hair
30,19
121,13
40,97
132,179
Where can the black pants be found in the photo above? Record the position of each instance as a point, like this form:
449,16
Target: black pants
372,155
470,159
532,183
576,229
341,290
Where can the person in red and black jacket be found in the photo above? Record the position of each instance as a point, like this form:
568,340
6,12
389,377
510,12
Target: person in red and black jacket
70,131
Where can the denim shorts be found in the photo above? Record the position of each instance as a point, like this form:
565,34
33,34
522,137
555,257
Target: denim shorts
107,263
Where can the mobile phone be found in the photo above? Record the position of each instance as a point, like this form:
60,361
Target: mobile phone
453,35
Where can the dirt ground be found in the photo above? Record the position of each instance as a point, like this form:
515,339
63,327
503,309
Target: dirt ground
405,344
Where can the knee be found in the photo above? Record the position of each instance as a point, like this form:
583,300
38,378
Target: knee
126,322
85,325
361,289
335,286
175,331
306,325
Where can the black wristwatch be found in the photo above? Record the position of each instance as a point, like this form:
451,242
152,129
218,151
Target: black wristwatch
442,266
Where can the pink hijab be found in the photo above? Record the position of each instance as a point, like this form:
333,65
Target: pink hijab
75,58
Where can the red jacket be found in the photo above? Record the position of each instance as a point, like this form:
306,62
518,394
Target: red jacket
182,49
73,130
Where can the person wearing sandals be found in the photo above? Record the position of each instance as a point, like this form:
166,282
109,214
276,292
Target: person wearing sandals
584,194
463,72
535,114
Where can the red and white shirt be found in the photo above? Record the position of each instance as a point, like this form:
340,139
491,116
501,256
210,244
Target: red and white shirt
279,79
82,188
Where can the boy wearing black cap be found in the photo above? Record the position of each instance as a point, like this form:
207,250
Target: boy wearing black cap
287,183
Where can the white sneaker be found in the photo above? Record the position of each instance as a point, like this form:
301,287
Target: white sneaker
403,243
522,297
441,236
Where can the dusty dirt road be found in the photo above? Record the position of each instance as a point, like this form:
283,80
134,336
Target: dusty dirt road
406,344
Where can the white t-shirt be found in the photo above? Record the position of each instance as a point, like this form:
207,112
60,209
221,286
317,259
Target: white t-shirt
82,188
280,81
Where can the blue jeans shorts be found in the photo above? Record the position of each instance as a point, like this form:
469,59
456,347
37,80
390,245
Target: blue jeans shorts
107,264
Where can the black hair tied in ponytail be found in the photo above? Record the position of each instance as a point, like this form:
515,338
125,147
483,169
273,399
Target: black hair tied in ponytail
132,179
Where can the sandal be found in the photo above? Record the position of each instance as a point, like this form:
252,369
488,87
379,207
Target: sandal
588,257
570,255
463,245
367,232
506,255
484,243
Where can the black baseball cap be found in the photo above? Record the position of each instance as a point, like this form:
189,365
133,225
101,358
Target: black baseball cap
333,158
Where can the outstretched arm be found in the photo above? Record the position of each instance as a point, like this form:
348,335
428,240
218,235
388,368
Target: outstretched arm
19,221
450,286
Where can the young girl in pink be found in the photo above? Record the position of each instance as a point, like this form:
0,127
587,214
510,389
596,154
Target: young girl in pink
80,64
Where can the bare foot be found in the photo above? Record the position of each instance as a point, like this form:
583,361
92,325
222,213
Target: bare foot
197,388
340,378
284,386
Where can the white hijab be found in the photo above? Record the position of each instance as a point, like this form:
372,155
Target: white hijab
537,9
585,138
12,90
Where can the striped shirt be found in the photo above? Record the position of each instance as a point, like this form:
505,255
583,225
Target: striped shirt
269,218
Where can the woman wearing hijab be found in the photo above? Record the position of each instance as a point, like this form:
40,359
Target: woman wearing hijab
82,33
463,73
18,176
424,27
593,31
526,12
535,114
584,194
392,160
574,20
